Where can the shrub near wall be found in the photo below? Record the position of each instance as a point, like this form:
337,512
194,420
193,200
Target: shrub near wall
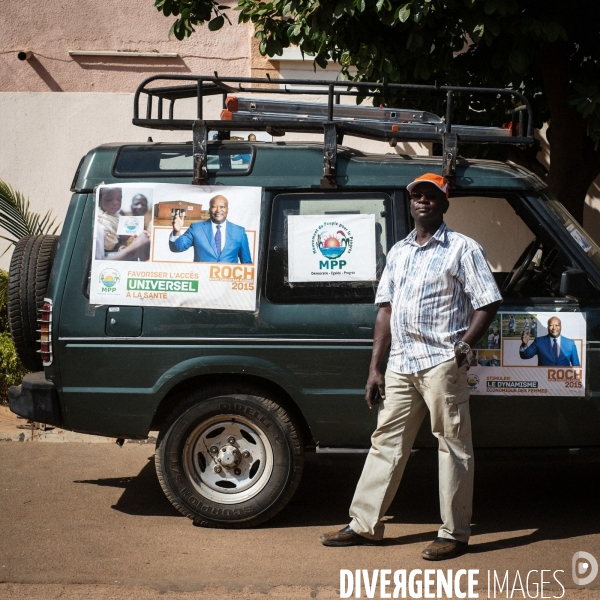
11,369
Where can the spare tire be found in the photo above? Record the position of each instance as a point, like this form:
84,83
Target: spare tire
28,278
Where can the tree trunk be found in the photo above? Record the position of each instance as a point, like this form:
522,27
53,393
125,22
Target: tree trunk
574,164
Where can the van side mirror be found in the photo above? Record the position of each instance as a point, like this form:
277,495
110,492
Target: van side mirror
574,284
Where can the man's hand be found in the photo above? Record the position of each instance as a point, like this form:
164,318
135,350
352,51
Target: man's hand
382,338
460,357
375,388
525,337
480,324
177,223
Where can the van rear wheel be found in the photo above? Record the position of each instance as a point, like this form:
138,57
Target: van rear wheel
231,461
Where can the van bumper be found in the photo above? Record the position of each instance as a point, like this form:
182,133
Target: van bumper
36,399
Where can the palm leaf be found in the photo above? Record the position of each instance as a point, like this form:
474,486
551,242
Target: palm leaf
18,220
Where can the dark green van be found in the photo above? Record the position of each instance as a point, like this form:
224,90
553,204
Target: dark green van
239,396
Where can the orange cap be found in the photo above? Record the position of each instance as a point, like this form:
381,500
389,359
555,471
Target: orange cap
437,180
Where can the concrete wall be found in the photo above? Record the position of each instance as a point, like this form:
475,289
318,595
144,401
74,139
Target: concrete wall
51,29
54,108
45,135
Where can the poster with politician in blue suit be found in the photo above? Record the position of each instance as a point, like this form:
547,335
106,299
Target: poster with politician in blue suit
194,255
534,358
216,240
553,349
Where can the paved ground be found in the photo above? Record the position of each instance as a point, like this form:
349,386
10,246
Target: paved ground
90,521
13,428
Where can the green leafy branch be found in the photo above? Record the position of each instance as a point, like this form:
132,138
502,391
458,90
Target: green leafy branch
586,100
192,13
482,43
18,220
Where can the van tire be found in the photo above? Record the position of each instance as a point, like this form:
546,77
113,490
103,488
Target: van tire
268,447
28,278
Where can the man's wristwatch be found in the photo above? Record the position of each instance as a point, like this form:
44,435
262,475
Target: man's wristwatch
463,347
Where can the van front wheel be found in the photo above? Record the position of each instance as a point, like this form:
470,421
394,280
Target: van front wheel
230,461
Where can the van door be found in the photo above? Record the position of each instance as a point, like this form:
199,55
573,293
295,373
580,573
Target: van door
528,372
326,252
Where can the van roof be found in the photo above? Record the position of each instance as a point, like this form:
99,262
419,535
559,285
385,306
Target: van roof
300,165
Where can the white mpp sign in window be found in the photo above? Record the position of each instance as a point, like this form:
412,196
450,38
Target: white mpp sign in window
334,247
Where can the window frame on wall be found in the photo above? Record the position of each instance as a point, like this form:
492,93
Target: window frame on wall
278,291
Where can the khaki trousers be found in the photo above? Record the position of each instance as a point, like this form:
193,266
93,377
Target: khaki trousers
444,391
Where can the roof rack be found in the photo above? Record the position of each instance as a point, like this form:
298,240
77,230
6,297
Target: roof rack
332,119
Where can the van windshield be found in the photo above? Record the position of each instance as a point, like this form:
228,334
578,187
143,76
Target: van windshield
578,233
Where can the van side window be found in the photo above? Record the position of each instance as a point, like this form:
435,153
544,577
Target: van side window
525,263
279,288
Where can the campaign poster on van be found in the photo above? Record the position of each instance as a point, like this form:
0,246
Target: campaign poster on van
331,247
531,354
159,244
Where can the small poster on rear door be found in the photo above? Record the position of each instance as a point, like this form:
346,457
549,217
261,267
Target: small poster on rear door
331,248
531,354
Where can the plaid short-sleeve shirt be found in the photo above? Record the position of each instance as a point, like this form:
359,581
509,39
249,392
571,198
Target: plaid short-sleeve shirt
433,291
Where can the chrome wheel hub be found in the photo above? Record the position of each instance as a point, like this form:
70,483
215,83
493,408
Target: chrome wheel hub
228,459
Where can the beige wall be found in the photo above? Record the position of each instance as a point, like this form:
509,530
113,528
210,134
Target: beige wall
51,29
54,108
44,137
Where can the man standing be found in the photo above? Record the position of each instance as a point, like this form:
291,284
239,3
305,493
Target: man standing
437,297
215,240
553,350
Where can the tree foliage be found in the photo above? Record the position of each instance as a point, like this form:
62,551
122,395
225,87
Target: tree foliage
547,49
191,13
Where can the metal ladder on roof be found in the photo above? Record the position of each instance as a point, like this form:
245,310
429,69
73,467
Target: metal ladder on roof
333,119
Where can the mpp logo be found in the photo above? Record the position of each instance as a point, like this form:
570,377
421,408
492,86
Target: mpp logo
585,568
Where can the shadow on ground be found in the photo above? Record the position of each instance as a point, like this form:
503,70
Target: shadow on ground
142,494
554,494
